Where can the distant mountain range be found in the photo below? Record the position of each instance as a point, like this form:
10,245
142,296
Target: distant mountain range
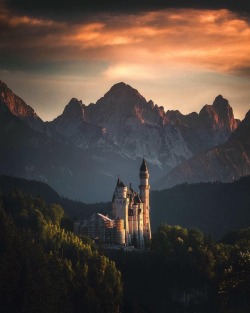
226,162
81,152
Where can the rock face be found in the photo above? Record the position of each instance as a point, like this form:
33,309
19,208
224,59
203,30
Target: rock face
19,108
74,172
225,163
88,145
216,121
124,120
71,127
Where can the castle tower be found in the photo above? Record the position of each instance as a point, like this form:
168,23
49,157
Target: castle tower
144,195
121,205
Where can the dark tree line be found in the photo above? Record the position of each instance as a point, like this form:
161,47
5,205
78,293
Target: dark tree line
186,271
72,208
44,268
215,208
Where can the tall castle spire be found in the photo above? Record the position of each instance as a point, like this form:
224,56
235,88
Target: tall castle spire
144,195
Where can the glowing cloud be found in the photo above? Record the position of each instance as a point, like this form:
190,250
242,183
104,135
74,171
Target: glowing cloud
146,48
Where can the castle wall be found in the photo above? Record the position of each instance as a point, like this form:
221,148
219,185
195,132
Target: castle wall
134,209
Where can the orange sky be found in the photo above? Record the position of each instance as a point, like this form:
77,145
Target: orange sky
179,58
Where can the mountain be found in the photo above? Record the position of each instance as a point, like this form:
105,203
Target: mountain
46,268
166,138
30,154
81,152
215,208
124,121
19,108
225,162
71,127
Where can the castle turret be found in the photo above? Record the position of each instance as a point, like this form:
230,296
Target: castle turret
120,205
119,232
144,195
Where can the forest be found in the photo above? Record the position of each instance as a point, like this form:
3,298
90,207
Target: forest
44,267
215,208
187,271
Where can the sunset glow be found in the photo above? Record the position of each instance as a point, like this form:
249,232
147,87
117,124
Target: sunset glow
159,53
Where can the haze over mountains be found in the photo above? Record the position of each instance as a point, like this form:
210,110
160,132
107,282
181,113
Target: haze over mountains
226,162
81,152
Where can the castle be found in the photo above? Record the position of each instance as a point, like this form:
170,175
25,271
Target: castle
133,209
130,223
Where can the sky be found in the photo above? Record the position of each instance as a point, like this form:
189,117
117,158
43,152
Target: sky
180,54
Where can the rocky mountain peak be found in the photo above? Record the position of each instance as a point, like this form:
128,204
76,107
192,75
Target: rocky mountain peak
19,108
225,112
74,109
173,115
247,117
243,130
122,89
222,107
219,100
219,114
15,104
121,95
119,106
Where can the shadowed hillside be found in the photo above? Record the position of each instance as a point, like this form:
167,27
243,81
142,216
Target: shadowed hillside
215,208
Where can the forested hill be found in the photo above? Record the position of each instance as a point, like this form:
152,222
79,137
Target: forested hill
215,208
33,188
44,268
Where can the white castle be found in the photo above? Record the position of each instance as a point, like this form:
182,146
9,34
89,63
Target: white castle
133,209
130,223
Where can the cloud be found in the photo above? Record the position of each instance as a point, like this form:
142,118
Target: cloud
141,47
216,40
76,8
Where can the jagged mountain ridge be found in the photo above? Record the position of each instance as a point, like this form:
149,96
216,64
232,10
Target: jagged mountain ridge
19,108
81,152
89,175
125,120
71,126
166,138
72,172
226,162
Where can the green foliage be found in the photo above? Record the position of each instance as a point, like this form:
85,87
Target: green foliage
241,238
43,191
44,268
186,271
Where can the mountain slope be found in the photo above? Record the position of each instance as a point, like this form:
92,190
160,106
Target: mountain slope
71,127
124,122
44,268
215,208
81,152
225,162
136,127
33,155
34,189
19,108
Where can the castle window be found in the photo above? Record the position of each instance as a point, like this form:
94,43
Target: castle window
130,212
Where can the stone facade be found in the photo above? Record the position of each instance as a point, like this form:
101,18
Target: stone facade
133,209
130,223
